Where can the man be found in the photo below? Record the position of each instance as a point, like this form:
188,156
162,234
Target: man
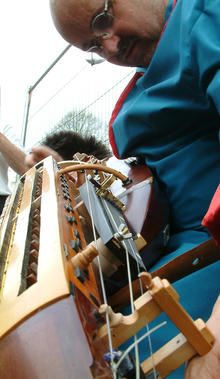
11,155
169,114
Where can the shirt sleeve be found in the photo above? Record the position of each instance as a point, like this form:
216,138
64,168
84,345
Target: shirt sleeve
11,134
205,51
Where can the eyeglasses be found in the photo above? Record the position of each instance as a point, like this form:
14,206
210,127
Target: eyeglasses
103,20
96,46
99,24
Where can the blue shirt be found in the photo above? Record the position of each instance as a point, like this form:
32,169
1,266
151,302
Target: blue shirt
171,116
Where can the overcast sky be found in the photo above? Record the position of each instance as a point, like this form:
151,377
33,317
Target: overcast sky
29,44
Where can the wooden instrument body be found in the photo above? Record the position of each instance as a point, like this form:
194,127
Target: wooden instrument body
41,328
147,209
49,316
49,344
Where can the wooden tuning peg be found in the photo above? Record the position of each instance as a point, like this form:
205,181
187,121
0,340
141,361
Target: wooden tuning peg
85,257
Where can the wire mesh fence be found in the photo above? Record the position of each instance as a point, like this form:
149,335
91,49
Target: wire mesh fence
75,86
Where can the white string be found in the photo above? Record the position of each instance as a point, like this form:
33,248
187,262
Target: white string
146,326
147,334
138,341
130,289
132,309
132,300
101,279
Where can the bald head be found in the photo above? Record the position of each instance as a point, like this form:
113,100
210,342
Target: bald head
131,38
72,18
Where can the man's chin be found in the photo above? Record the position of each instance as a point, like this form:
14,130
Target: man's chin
121,63
128,63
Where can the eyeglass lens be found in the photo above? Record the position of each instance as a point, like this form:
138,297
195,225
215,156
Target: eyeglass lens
102,22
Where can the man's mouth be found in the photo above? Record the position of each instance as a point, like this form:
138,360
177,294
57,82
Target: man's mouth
126,50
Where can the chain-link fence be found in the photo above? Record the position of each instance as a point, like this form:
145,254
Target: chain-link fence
75,86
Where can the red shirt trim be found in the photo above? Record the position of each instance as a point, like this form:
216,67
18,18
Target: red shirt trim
125,93
211,220
118,106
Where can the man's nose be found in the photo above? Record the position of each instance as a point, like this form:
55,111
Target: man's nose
110,45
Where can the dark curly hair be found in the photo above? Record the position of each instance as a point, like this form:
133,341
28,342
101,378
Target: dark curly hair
67,143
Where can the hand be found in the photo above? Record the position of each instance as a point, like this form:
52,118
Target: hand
208,366
39,153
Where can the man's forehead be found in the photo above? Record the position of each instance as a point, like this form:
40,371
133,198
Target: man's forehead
72,18
79,7
75,14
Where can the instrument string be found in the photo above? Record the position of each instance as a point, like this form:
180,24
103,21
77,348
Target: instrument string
114,366
130,347
102,282
132,299
130,289
132,309
148,334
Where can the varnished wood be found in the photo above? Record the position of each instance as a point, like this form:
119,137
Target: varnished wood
55,328
123,327
195,337
174,353
49,286
52,344
164,295
85,257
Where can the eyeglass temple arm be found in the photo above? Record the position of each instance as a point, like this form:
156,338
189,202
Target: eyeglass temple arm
106,6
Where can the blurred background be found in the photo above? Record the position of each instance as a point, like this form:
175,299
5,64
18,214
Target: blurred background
46,84
44,81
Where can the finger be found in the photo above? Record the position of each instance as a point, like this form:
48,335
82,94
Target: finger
30,160
41,152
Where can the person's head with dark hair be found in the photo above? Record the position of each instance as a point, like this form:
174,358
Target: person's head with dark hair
64,144
67,143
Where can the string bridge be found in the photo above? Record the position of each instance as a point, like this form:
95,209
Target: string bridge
123,233
104,192
195,338
111,227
